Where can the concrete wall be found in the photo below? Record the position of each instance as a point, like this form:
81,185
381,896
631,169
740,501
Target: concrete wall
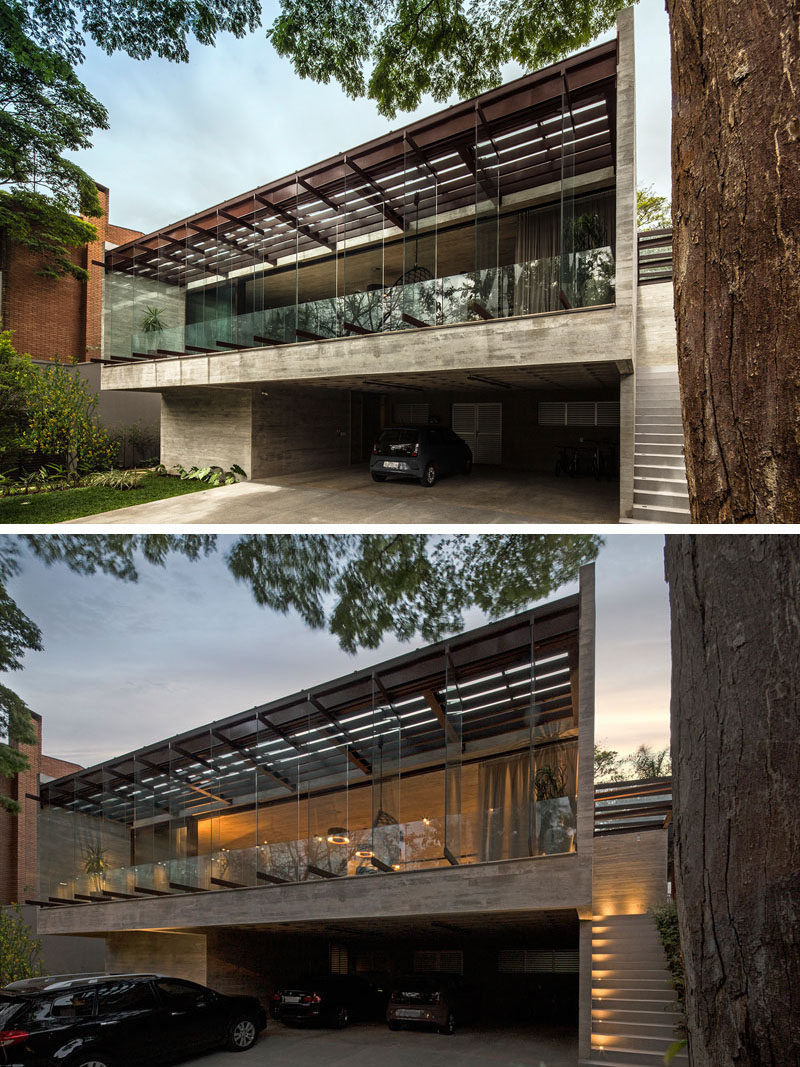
117,409
553,339
656,337
206,427
297,429
177,954
630,872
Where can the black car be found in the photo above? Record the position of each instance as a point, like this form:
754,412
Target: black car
119,1020
335,1000
421,452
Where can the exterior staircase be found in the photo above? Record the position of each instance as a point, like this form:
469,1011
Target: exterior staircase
635,1015
660,492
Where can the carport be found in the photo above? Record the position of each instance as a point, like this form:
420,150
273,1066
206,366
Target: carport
518,970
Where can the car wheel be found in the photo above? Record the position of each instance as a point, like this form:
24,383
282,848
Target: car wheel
449,1027
378,477
342,1018
242,1035
468,466
429,477
395,1026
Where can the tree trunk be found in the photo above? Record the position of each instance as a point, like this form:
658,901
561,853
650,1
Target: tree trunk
735,605
736,215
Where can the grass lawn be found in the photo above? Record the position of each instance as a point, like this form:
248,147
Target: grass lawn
75,503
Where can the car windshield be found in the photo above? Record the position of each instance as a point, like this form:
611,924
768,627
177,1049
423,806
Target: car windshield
397,442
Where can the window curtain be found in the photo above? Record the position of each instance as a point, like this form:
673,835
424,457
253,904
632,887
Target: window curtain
504,808
537,261
554,789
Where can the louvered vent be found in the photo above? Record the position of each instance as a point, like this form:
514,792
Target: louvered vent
411,414
536,961
579,413
446,961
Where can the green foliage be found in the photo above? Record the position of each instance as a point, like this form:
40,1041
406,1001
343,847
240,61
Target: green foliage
652,212
550,783
59,414
211,476
666,920
647,763
114,479
152,321
18,635
47,112
608,765
396,51
19,950
12,395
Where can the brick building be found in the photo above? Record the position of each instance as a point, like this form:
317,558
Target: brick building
58,319
18,833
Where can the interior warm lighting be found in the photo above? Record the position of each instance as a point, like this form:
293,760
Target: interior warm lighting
426,822
364,852
338,835
395,866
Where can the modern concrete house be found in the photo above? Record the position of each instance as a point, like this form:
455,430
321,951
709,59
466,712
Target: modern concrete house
477,269
435,812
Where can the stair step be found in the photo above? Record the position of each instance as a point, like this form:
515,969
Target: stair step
646,513
621,1057
632,1002
634,990
606,976
656,1015
664,1030
664,501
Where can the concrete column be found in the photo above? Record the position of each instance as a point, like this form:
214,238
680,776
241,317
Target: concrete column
627,251
586,638
627,443
585,990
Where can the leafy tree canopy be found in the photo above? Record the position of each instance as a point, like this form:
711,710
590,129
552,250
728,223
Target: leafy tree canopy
652,212
46,111
361,587
397,50
19,949
645,762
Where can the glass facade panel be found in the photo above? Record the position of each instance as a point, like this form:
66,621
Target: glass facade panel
470,758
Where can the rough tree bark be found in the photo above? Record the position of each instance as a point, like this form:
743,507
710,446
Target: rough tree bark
736,214
735,605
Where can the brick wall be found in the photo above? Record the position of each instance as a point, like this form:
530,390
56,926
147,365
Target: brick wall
59,318
18,833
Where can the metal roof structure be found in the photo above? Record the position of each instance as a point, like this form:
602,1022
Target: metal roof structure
626,807
481,684
509,139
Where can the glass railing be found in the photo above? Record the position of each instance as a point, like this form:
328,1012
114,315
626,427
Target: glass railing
423,844
584,279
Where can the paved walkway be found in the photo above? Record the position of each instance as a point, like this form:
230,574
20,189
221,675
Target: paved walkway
374,1043
348,495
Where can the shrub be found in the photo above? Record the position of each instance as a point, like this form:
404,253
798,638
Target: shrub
114,479
666,920
59,413
19,950
213,476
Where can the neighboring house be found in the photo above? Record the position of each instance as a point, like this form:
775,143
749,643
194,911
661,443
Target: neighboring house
477,268
58,318
19,833
434,812
61,319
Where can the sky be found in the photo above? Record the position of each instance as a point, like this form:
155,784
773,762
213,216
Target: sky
185,136
128,664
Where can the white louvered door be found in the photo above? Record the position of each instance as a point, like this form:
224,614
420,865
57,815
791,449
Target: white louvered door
481,426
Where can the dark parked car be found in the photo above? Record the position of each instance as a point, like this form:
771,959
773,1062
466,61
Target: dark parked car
421,452
426,1000
335,1000
120,1020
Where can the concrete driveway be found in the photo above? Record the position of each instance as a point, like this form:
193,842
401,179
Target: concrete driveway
374,1043
348,495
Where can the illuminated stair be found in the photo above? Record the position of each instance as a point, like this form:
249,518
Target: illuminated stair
635,1015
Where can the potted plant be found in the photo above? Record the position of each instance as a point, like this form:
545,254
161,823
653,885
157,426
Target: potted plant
555,817
95,864
152,321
